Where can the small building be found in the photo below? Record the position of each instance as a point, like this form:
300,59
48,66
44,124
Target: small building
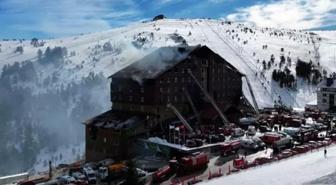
141,92
326,94
111,134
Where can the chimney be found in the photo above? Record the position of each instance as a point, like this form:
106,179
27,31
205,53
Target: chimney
330,81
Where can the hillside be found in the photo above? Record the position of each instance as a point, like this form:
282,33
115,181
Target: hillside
53,85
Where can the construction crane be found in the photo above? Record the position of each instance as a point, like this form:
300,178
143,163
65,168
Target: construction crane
252,95
207,95
179,115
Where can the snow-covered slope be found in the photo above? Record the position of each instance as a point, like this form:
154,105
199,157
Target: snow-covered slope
134,41
311,168
68,84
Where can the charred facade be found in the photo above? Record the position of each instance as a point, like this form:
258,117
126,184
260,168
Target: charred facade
147,86
144,88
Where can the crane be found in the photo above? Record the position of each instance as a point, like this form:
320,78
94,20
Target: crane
179,115
207,95
193,107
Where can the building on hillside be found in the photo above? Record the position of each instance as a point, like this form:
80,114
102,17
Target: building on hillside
162,77
142,90
326,94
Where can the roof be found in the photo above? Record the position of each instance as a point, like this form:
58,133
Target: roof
323,83
156,62
115,120
161,60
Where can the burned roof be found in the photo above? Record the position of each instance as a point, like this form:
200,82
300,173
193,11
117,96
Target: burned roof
156,62
161,60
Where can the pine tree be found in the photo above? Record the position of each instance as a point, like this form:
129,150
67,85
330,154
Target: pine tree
131,175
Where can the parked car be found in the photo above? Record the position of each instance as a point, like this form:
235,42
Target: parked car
251,130
253,143
238,132
78,176
66,179
264,128
285,141
90,175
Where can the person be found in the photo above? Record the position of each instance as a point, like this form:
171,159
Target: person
325,152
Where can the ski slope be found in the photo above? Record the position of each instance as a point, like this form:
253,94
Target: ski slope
311,168
138,39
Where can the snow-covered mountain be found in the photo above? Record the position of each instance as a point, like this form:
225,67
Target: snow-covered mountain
61,82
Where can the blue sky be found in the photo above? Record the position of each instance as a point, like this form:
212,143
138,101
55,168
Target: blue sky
60,18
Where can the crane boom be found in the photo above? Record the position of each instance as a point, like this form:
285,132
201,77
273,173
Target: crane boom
179,115
192,105
207,95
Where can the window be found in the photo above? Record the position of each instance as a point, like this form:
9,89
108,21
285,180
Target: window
175,80
324,95
142,108
142,89
175,98
130,98
168,99
105,140
324,100
142,99
168,90
161,90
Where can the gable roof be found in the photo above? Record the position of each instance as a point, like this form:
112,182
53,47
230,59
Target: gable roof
156,62
161,60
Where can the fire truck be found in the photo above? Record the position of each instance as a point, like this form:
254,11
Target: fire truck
183,166
230,148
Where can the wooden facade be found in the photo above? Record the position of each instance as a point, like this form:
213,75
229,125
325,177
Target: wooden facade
148,85
217,76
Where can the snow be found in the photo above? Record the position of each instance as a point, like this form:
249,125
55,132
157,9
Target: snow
69,155
133,42
293,171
